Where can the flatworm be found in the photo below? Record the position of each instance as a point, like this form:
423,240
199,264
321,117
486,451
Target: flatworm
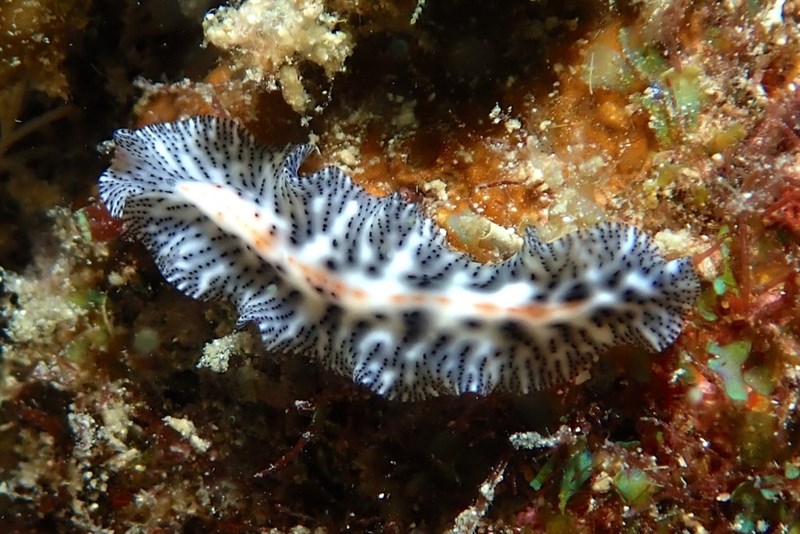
367,285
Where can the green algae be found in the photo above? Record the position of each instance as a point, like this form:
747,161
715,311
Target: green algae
673,99
89,299
560,524
544,474
687,96
145,341
706,305
646,59
760,378
724,283
761,505
635,486
577,470
93,339
726,138
791,471
756,438
82,222
605,68
728,364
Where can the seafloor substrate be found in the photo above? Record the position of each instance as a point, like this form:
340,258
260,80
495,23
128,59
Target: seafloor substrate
681,118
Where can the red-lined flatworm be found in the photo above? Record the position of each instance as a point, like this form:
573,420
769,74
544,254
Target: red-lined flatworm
366,285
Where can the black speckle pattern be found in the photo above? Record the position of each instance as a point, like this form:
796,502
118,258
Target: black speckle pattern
366,285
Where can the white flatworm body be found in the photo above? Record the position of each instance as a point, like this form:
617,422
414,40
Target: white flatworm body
366,285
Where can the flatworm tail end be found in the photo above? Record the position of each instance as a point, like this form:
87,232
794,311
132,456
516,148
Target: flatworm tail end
682,294
620,279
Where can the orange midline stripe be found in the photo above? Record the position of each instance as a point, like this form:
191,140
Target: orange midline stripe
333,285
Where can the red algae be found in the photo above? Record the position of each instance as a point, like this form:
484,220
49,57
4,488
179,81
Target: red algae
102,226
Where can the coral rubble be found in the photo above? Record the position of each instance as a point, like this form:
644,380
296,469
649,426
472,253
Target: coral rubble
35,36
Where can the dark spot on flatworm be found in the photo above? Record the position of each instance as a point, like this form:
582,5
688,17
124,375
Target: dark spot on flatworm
576,293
